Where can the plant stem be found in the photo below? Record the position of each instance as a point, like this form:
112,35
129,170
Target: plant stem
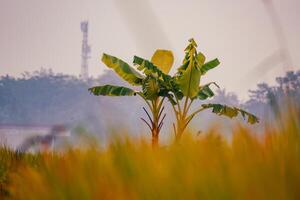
183,120
178,104
156,123
185,105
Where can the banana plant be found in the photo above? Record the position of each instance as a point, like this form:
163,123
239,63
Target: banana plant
151,91
184,88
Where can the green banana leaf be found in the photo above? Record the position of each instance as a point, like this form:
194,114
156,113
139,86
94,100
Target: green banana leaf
149,68
125,71
209,65
111,90
189,81
231,112
205,91
166,82
189,73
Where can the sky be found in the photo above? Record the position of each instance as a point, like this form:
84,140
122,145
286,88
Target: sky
36,34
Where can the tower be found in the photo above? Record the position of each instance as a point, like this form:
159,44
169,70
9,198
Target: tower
85,50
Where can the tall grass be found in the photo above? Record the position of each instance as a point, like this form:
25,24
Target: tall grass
10,162
249,166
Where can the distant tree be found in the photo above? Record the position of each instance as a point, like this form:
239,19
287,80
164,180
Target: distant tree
268,100
228,98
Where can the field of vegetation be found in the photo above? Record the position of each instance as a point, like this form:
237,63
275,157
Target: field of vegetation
206,166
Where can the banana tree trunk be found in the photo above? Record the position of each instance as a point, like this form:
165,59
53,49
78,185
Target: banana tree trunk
180,127
155,138
156,122
155,129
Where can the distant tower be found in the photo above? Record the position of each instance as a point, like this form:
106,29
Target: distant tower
85,50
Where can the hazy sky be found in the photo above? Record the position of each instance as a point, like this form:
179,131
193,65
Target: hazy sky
46,33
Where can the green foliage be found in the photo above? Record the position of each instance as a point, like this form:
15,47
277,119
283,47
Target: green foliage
189,81
157,83
231,112
152,83
205,91
149,68
186,82
189,73
111,90
167,83
209,65
125,71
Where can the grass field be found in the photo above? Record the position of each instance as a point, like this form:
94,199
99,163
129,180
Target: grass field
208,166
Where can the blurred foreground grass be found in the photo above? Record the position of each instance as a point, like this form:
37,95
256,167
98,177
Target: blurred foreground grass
249,166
